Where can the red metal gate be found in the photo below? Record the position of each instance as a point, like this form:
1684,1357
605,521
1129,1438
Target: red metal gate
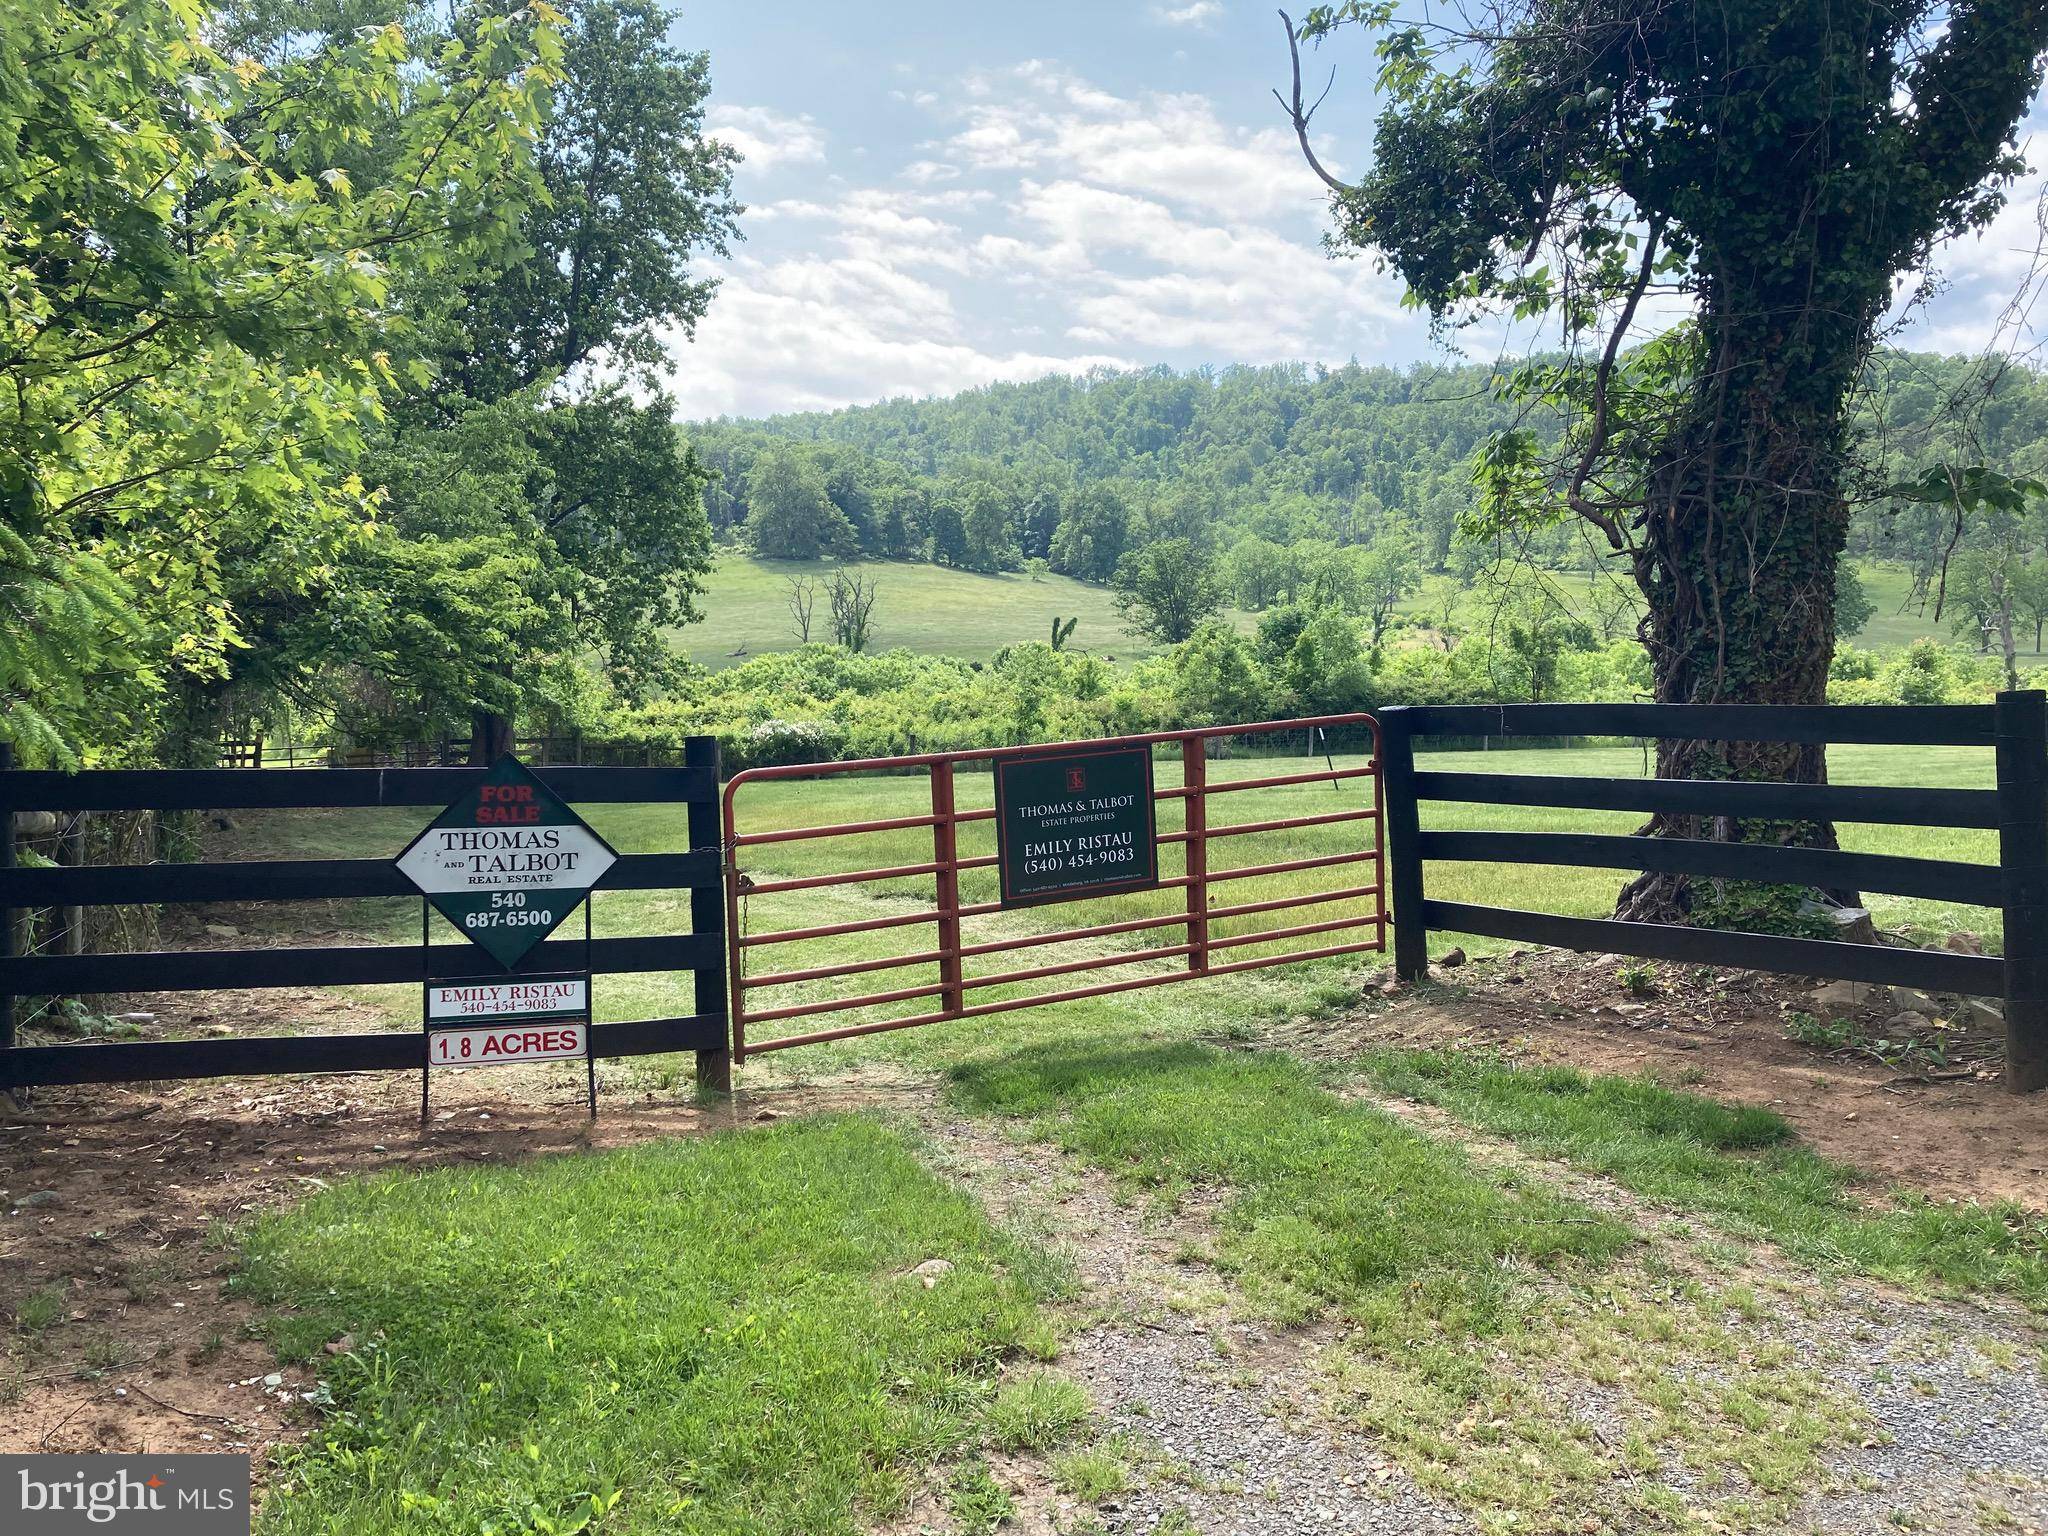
1201,783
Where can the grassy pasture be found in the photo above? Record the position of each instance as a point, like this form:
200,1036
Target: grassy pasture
926,608
1894,626
938,611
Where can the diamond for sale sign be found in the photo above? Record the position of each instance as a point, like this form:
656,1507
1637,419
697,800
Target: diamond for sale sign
507,862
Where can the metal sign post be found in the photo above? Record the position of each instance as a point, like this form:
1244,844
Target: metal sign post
589,1015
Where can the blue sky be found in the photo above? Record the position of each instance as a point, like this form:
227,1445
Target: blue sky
941,195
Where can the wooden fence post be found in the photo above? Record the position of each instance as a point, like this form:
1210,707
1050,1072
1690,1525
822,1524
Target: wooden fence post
2021,732
8,945
707,916
1404,846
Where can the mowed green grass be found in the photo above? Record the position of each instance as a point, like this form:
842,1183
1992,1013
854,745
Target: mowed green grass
720,1335
1674,1148
937,611
926,608
1330,1201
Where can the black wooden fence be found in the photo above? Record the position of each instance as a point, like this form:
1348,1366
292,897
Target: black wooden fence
2016,726
696,869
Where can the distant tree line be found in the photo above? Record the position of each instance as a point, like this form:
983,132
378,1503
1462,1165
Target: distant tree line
1270,486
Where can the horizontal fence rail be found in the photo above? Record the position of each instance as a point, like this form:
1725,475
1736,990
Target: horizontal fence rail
254,789
1195,949
698,870
1949,725
449,752
1748,801
2016,727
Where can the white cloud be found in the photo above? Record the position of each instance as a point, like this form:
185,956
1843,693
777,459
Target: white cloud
810,336
1991,282
1053,226
767,138
1167,144
1197,13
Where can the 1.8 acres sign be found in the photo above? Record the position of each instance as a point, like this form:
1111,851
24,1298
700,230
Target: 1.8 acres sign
507,862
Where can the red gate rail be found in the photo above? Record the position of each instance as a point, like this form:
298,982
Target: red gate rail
953,986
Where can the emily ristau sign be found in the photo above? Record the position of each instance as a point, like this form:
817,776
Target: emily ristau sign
1075,825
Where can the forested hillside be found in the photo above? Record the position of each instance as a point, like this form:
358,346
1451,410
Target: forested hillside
1077,470
1259,465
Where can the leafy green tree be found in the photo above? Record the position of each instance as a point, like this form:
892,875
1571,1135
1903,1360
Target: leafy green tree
1258,571
635,189
1093,534
946,535
2030,594
1166,588
790,515
848,481
1278,629
632,191
1536,628
988,527
1779,164
1368,583
435,627
198,324
1217,679
900,509
621,506
1984,587
1388,572
1327,670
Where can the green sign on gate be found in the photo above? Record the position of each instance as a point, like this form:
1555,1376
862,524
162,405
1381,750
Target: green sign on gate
1075,825
507,862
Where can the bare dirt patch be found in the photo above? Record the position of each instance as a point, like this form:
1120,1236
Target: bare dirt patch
1950,1132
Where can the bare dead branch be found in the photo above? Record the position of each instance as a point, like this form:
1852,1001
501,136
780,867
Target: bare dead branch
1300,114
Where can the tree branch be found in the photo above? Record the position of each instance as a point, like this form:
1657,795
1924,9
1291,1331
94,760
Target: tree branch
1596,444
1299,115
1973,85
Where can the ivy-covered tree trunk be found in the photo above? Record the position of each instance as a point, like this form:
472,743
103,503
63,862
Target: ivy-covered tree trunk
1744,522
1773,165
